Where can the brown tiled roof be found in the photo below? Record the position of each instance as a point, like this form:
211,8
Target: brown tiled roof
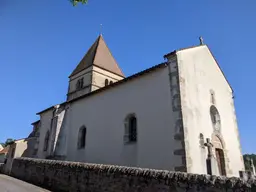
99,55
175,51
4,150
95,45
149,70
52,107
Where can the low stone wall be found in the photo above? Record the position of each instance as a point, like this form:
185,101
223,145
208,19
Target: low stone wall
61,176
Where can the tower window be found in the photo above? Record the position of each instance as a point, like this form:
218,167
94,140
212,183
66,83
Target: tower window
80,83
106,82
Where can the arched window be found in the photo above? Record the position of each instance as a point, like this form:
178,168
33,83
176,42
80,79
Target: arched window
46,140
215,117
81,138
131,129
80,83
110,82
106,82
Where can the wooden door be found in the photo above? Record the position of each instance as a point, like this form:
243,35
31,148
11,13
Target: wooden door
220,161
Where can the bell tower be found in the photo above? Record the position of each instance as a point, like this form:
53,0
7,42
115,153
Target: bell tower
97,69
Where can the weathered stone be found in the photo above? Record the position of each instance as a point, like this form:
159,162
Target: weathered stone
74,176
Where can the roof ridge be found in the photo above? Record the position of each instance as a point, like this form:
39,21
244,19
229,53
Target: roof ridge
99,55
80,66
131,77
110,54
182,49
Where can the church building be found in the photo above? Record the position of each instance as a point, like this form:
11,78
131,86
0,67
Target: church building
173,116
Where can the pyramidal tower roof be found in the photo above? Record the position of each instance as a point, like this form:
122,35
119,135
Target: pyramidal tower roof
100,56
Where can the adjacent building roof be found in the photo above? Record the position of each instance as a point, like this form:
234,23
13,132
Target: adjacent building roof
36,122
99,55
5,150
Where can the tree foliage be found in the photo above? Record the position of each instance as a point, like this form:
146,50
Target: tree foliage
75,2
8,141
247,161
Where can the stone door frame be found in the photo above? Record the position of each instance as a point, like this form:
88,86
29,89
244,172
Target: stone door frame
219,143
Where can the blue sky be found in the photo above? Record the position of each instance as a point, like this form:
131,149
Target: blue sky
42,41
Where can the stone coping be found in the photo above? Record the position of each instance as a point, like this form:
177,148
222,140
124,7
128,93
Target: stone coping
168,177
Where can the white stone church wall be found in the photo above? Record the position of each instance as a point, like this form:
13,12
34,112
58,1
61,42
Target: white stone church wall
103,114
199,74
45,119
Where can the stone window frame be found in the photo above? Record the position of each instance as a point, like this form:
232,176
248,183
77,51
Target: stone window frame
106,82
215,118
130,133
222,145
81,141
80,83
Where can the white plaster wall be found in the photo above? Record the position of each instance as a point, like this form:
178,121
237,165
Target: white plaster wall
104,113
45,119
20,148
199,74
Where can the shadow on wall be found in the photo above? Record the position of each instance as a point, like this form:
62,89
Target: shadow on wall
58,146
29,150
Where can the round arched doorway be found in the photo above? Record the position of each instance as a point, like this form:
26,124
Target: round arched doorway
219,154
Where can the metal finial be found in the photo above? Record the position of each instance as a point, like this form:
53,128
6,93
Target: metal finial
201,40
101,29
